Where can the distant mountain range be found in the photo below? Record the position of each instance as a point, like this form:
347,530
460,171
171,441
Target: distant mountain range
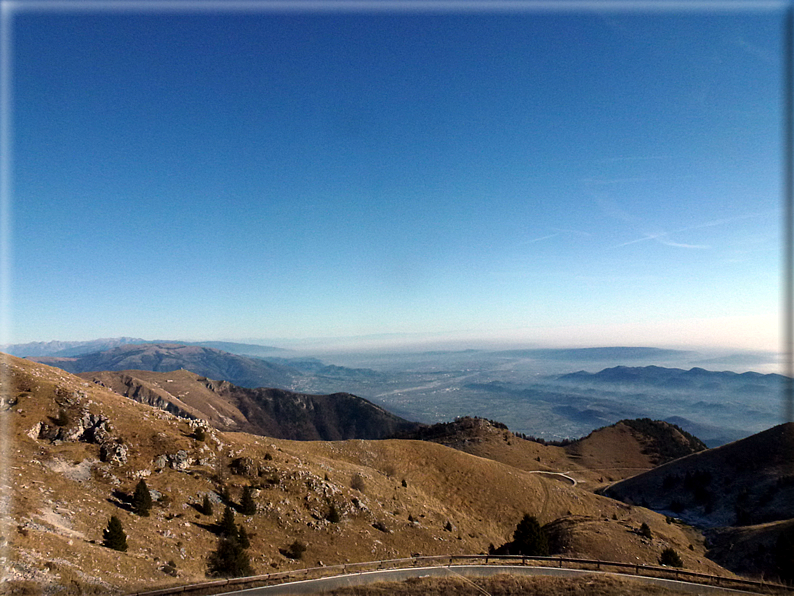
67,348
678,379
208,362
78,348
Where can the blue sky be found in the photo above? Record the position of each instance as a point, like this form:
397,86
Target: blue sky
573,178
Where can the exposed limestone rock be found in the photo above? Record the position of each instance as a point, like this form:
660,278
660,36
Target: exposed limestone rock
179,460
91,428
35,431
113,452
6,403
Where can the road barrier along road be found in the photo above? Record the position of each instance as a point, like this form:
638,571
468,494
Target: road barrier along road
636,569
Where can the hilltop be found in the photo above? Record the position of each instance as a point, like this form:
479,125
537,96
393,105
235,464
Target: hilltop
607,454
71,471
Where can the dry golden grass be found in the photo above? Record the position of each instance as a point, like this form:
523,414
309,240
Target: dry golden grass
510,585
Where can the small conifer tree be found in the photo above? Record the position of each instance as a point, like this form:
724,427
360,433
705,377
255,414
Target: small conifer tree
247,503
357,482
63,418
227,526
142,499
242,537
529,538
114,536
229,559
206,505
333,514
295,550
645,531
225,496
671,558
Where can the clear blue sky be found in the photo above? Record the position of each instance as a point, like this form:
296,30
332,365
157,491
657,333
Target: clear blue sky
574,178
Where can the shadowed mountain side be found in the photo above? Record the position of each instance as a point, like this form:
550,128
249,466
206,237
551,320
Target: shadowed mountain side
262,411
750,481
336,417
208,362
753,550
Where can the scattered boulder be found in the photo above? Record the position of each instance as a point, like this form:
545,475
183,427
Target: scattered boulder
179,460
244,466
113,452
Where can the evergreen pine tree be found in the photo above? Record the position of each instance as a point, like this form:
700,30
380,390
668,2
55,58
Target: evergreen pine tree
226,498
142,499
229,559
671,558
114,536
645,531
784,554
227,526
242,537
247,504
529,538
333,514
206,505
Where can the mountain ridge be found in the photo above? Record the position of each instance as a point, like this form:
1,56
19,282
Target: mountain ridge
262,411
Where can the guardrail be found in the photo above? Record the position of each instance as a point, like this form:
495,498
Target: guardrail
636,569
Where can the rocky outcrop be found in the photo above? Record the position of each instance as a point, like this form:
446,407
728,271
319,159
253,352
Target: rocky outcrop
113,452
90,428
180,461
244,466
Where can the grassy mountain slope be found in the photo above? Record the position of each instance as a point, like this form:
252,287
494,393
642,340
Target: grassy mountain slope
605,455
63,493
